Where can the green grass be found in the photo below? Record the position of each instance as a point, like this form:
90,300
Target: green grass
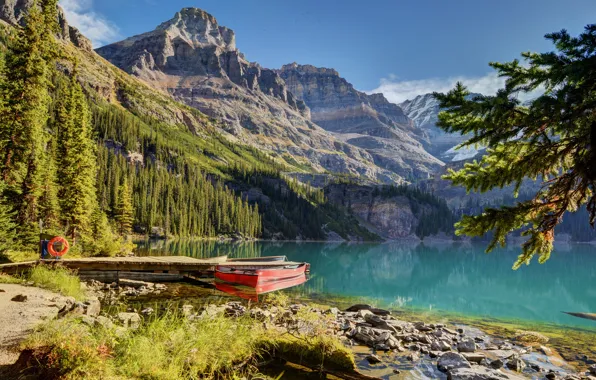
7,279
59,280
172,347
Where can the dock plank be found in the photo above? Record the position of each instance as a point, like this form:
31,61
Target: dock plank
157,264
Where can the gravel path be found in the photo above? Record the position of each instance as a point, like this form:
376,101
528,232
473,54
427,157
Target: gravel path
18,319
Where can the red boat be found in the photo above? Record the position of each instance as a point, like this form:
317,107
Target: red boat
255,275
251,293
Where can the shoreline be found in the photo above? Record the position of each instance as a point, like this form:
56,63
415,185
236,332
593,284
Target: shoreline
401,339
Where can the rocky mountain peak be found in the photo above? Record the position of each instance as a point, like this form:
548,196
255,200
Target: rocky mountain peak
199,29
309,69
424,112
369,122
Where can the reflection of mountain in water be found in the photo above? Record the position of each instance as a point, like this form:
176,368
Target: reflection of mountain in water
457,278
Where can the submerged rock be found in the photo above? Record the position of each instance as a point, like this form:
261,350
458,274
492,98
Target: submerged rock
374,310
479,373
373,359
452,360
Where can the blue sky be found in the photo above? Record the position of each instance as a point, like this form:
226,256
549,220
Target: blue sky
399,47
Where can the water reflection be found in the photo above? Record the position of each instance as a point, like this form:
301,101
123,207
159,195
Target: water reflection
457,278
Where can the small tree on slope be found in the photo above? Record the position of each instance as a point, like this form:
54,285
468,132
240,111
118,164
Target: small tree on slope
553,139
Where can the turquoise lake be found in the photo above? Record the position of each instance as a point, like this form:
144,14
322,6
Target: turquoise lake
457,278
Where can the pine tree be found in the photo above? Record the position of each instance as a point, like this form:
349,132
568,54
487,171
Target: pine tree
77,167
552,139
124,209
49,207
30,64
7,226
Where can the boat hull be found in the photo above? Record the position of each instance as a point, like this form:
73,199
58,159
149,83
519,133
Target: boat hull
256,276
252,293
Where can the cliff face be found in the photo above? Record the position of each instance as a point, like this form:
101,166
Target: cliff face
197,62
390,217
369,122
13,12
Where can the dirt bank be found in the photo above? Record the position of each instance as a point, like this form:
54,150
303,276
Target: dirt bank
21,309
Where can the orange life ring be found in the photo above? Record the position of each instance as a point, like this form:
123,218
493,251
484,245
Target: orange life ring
65,246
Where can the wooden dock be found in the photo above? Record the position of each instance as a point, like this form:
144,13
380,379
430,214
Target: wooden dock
157,268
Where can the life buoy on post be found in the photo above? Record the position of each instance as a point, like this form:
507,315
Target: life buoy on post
65,246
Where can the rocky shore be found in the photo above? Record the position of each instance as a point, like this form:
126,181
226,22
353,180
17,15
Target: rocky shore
381,341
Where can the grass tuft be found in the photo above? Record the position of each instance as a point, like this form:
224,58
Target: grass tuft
59,280
173,347
7,279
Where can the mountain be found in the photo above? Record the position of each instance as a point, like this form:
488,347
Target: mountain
424,111
369,122
12,12
196,61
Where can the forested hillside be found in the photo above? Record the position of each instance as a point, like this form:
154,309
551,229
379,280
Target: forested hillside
95,154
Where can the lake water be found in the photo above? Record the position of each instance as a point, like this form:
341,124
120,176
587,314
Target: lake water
442,277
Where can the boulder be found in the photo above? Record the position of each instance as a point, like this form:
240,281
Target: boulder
515,363
364,313
479,373
452,360
104,322
496,364
474,357
440,345
377,321
93,307
466,345
88,320
130,320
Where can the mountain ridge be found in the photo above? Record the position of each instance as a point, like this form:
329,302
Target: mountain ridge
369,122
196,61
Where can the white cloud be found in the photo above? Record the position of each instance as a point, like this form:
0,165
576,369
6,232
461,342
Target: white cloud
80,14
397,91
